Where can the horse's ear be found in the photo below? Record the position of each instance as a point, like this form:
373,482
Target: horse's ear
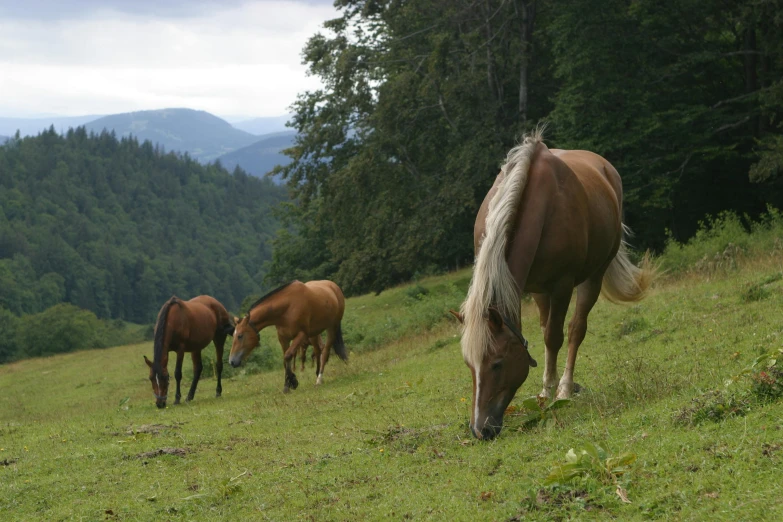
459,316
236,320
495,319
533,362
147,361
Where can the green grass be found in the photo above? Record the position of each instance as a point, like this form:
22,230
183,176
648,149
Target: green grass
386,437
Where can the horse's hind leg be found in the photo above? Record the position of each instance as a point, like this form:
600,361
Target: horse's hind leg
586,295
553,333
197,367
303,356
317,351
331,335
220,341
178,373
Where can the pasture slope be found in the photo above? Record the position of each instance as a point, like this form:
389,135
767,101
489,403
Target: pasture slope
386,437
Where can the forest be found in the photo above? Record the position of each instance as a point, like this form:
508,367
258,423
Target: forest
421,100
107,229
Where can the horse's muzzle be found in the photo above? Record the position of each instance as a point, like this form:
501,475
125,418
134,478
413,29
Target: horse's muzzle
160,404
488,433
235,362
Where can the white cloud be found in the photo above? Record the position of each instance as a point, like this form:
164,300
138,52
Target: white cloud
239,60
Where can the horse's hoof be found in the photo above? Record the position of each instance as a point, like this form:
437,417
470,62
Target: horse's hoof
286,390
176,401
319,380
218,394
188,399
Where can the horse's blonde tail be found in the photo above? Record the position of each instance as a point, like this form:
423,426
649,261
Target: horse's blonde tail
625,282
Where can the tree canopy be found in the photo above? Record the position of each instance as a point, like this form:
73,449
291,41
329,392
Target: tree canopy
422,99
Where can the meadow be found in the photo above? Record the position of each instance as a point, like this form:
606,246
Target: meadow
386,437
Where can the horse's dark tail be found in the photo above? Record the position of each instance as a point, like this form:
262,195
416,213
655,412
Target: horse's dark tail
339,344
160,330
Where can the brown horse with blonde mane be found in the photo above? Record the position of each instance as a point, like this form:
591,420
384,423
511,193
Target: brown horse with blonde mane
300,312
551,222
187,326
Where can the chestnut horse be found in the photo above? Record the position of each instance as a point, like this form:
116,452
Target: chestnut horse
551,222
300,312
187,326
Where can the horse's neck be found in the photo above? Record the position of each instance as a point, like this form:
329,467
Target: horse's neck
266,314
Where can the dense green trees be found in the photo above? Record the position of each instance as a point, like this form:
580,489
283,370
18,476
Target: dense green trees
116,227
422,99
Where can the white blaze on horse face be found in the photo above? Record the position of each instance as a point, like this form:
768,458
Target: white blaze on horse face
157,379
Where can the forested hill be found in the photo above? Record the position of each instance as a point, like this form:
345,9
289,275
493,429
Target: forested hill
116,227
202,135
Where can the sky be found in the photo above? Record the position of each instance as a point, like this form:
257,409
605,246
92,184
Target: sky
233,58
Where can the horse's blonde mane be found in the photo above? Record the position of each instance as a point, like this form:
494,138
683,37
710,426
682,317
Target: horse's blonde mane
492,283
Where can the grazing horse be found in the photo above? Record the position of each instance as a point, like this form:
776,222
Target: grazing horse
551,222
300,312
187,326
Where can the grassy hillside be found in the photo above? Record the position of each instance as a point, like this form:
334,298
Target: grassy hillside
262,156
386,437
199,133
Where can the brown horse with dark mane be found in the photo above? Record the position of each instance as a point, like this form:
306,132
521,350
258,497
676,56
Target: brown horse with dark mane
300,312
187,326
552,222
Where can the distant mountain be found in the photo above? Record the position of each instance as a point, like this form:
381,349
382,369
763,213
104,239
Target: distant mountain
34,126
262,156
260,126
202,135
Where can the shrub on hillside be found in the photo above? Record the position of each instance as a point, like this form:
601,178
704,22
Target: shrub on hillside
59,329
721,242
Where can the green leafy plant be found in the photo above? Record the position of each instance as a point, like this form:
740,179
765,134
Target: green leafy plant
537,411
591,461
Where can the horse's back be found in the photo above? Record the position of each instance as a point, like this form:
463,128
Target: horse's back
204,315
326,302
568,218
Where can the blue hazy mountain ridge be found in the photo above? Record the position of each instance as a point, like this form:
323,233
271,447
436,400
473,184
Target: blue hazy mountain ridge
262,156
34,126
202,135
264,125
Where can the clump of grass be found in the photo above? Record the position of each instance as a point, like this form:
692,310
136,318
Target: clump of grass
714,405
759,290
629,326
765,379
416,292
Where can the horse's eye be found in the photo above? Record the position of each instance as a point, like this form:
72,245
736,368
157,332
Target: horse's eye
240,336
497,364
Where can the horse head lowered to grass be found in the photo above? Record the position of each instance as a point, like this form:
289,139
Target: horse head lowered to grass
551,222
300,312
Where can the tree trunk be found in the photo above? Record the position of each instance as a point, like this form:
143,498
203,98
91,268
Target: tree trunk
527,15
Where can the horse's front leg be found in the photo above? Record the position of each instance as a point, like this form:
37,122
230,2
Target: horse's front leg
289,355
553,333
178,373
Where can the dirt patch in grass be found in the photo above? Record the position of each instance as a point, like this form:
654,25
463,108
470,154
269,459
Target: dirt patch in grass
179,452
7,462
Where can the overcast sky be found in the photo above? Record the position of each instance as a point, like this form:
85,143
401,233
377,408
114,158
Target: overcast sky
228,57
